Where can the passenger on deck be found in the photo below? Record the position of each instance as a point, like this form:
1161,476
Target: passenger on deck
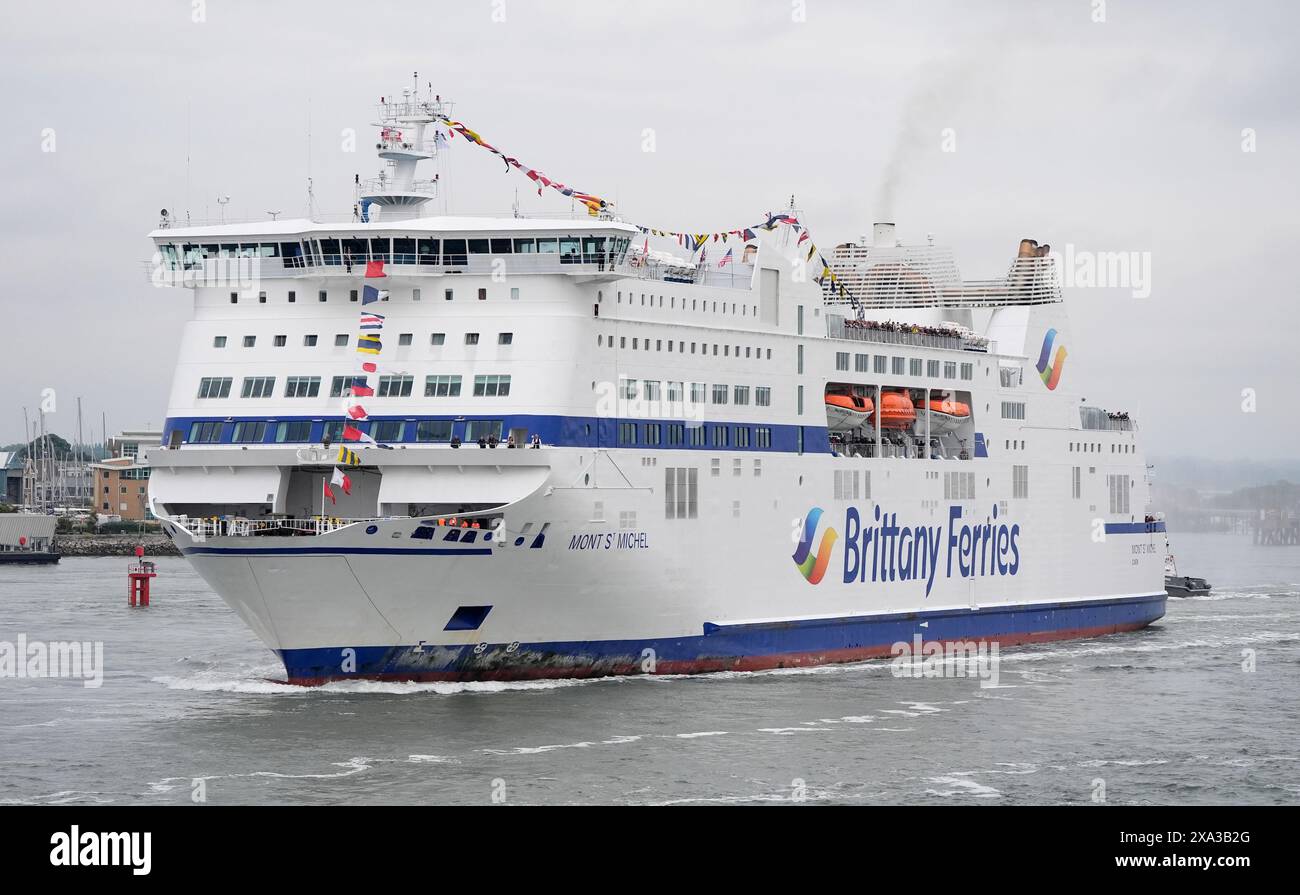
537,441
482,442
455,441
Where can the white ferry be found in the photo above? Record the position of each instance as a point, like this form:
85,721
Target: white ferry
584,450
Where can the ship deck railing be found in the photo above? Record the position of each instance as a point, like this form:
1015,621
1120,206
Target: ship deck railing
237,527
838,328
246,270
898,283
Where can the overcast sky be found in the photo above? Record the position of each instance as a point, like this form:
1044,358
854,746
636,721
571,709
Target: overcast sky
1124,135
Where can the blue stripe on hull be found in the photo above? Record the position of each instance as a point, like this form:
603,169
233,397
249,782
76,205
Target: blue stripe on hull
726,647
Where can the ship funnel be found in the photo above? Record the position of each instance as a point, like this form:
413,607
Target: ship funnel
1029,248
882,235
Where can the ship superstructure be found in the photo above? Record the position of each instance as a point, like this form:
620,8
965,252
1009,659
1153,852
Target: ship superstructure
583,454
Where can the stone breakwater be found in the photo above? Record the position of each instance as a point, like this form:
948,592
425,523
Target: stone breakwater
154,544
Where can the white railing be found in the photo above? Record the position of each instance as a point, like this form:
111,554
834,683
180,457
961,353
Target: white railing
925,277
217,527
902,334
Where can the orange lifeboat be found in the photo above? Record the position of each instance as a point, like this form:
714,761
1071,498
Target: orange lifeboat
896,411
844,412
945,414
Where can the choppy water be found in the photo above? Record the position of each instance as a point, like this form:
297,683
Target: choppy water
1162,716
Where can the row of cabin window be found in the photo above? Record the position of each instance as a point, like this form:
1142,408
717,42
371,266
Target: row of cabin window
650,390
862,363
354,295
701,435
399,250
696,303
341,340
1093,447
603,340
299,431
395,386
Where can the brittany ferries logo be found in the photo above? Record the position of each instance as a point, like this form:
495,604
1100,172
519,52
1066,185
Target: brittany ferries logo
1051,372
877,548
812,565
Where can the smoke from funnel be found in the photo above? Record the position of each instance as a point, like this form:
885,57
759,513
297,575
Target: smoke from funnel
932,106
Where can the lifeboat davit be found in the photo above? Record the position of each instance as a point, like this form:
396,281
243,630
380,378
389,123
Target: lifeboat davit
945,415
896,411
844,412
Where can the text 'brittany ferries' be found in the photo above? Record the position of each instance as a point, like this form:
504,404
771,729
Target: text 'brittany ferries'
889,552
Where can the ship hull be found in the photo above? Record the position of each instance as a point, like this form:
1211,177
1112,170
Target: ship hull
730,648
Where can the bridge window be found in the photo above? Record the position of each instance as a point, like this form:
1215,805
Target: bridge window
427,251
454,253
525,246
479,246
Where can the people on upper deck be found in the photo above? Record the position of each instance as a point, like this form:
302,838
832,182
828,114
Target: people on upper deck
537,441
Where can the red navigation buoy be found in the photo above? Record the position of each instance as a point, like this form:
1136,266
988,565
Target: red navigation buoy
138,575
